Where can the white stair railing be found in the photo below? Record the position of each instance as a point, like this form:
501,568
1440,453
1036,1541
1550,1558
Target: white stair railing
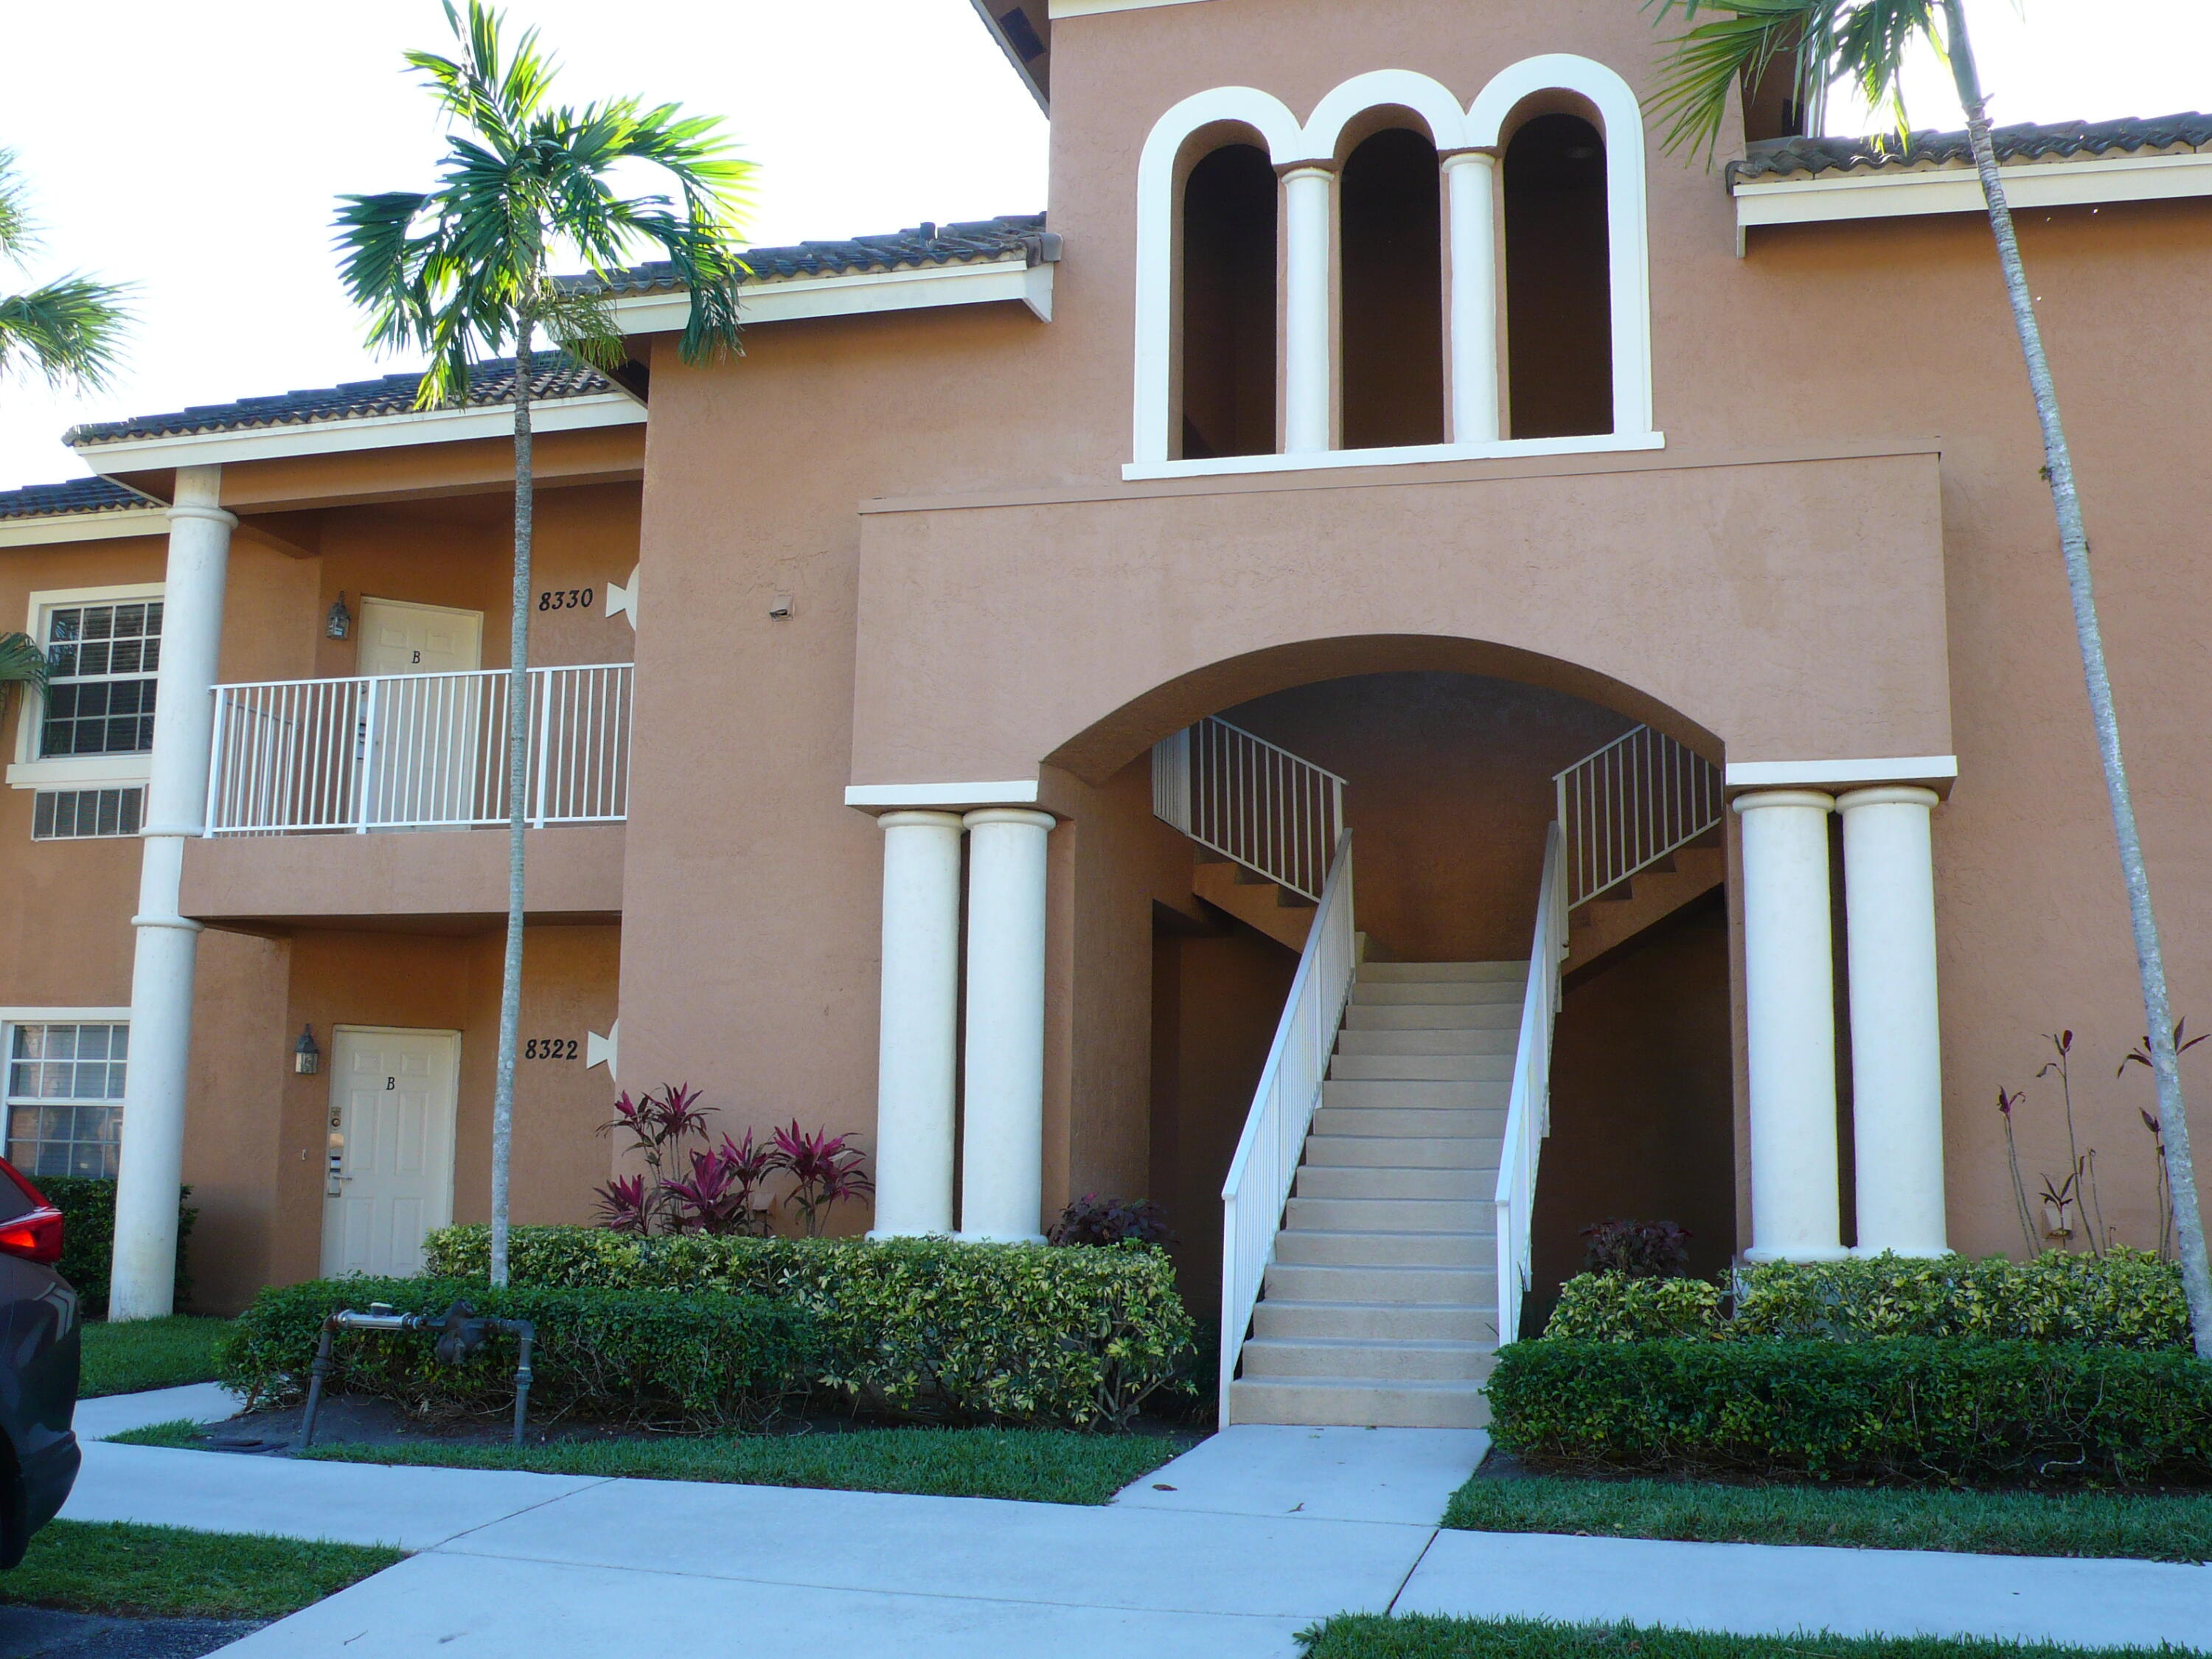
1529,1107
1630,805
417,751
1251,801
1267,1162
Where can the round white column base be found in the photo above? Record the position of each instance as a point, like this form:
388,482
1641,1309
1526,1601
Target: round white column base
1000,1238
1805,1253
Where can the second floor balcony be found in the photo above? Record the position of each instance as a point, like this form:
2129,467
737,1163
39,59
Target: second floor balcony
418,751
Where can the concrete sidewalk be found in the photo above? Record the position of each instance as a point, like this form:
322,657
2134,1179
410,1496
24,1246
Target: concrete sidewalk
1226,1553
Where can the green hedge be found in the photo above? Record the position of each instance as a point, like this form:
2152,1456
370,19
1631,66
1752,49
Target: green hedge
88,1207
924,1327
1911,1409
2126,1298
697,1361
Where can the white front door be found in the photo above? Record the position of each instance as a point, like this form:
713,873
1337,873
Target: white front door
426,742
388,1176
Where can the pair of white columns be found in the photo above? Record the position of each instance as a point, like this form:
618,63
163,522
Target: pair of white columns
1002,1150
150,1173
1897,1076
1308,347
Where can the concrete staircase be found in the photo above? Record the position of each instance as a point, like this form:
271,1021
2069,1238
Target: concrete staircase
1653,893
1283,915
1380,1306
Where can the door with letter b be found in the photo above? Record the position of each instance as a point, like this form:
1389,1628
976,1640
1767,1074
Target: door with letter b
388,1159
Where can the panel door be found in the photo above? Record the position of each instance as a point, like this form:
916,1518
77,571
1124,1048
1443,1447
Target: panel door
389,1169
425,740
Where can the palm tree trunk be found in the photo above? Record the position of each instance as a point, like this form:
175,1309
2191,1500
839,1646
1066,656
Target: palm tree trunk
517,810
2074,543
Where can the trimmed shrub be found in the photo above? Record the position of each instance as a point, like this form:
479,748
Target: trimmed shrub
2126,1298
921,1328
1914,1409
88,1207
1613,1308
654,1358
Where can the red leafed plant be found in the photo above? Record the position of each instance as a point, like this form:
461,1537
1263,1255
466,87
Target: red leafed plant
823,1169
657,1126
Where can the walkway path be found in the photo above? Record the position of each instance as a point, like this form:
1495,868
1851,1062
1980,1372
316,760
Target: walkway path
1225,1554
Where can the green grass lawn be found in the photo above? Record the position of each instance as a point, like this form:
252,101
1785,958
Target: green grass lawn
167,1572
148,1353
2150,1528
1038,1466
1375,1635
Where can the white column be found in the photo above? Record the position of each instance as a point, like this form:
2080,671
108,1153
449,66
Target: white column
151,1170
1470,180
1002,1144
1791,1011
916,1056
1897,1063
1308,386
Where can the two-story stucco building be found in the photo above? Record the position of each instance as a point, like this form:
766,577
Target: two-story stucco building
948,716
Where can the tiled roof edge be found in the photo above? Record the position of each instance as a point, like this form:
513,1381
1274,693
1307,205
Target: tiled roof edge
74,499
1799,158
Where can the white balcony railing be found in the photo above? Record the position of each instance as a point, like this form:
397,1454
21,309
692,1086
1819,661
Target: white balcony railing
1630,805
1252,802
417,751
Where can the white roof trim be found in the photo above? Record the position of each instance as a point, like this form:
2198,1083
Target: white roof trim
340,433
1015,792
1058,8
1793,774
852,293
49,529
1954,187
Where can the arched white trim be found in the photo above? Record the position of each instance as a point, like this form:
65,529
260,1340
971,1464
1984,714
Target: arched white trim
1155,225
1433,101
1627,215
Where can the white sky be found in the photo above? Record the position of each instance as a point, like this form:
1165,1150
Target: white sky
196,150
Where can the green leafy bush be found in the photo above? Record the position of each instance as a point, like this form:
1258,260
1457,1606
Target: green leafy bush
1913,1409
1613,1308
2125,1298
707,1360
923,1327
88,1207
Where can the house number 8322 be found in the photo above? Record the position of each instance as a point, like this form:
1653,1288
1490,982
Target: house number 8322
549,1049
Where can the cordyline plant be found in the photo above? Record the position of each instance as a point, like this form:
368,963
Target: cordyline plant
466,270
1865,43
2140,1056
657,1126
825,1171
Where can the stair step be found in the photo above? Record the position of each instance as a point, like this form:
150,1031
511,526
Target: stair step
1429,973
1423,1123
1316,1214
1380,1361
1433,1039
1458,992
1421,1069
1433,1017
1299,1248
1349,1403
1447,1287
1374,1321
1355,1151
1396,1182
1467,1094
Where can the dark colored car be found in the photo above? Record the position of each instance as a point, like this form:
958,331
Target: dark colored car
39,1454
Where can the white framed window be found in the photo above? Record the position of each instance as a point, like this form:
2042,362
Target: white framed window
66,1069
86,814
94,725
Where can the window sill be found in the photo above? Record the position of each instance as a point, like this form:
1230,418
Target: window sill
79,771
1505,449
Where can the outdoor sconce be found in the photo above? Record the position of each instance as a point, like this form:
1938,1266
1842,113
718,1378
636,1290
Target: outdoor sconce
340,622
306,1059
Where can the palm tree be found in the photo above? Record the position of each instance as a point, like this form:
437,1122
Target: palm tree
67,331
1865,43
467,269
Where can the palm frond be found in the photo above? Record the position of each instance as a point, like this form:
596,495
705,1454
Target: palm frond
18,235
71,331
22,664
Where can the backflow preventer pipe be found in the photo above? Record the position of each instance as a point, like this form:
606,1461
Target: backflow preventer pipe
460,1334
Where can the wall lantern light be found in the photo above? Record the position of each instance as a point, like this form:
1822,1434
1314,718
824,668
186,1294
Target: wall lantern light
306,1059
340,622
